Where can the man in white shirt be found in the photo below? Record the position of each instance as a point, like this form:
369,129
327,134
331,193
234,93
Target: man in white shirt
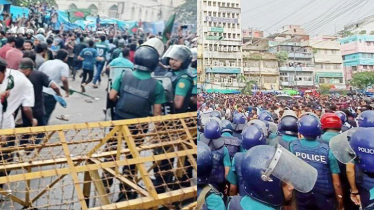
58,71
21,94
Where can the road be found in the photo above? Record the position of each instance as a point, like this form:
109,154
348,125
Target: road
79,109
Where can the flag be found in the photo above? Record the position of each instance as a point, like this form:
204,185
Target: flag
168,28
77,14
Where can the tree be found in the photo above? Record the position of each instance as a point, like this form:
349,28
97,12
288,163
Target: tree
282,57
247,88
324,88
187,12
362,80
363,32
372,33
345,33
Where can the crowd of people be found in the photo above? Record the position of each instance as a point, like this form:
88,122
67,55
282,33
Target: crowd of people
263,151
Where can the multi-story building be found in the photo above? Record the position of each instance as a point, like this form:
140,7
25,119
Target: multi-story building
220,39
297,69
358,54
145,10
291,29
328,61
258,64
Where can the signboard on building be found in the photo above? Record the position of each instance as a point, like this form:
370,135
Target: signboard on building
329,74
228,9
216,29
221,20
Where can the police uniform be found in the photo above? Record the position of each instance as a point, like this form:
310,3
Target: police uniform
248,203
318,155
328,135
193,73
213,199
233,144
284,140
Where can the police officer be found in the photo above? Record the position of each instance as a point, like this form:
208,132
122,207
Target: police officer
232,143
221,158
140,95
252,136
331,125
343,117
328,187
263,186
358,155
238,121
207,196
178,57
287,129
193,73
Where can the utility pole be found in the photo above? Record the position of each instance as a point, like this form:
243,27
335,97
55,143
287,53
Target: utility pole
294,66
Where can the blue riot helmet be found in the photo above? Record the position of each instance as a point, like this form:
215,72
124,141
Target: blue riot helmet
147,56
288,124
239,121
366,119
226,126
180,53
309,126
216,114
363,145
212,130
342,116
252,136
265,116
204,163
265,167
205,119
263,125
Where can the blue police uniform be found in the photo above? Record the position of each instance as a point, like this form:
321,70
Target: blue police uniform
235,176
232,144
318,155
284,140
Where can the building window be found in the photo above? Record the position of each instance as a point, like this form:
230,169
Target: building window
365,67
354,68
214,3
209,3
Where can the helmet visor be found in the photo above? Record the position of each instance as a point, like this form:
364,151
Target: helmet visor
341,148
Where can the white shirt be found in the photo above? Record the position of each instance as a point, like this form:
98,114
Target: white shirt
55,69
21,94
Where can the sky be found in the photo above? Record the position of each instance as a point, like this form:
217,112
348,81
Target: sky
317,17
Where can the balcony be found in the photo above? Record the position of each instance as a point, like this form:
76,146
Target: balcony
286,68
300,55
264,70
299,83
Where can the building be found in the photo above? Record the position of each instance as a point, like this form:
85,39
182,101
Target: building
365,26
292,30
145,10
261,67
358,54
219,28
297,68
328,61
258,64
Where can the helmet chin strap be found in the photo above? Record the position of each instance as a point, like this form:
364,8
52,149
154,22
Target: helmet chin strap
142,68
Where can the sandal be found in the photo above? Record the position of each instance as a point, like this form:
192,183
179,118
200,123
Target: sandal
62,117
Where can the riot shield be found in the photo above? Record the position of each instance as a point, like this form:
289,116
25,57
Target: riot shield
291,170
341,148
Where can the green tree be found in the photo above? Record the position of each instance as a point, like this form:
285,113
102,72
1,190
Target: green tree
324,88
247,88
363,32
362,80
372,33
26,3
187,12
282,57
345,33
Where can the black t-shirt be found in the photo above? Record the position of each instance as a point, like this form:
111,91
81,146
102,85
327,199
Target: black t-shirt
78,49
39,80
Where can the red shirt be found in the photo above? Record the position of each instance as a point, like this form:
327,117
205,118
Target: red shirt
4,50
13,58
132,53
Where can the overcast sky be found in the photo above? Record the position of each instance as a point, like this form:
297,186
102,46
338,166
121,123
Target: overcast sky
316,16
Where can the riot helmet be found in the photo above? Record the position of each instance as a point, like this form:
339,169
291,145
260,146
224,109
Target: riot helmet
366,119
331,121
265,116
239,121
180,53
146,58
309,126
363,145
226,126
252,136
261,124
288,125
342,116
212,130
204,163
265,167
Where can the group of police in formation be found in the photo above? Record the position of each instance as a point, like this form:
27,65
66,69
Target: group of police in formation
304,163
